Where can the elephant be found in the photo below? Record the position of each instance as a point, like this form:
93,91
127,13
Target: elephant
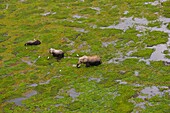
56,53
89,61
34,42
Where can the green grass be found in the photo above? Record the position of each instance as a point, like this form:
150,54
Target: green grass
21,66
155,38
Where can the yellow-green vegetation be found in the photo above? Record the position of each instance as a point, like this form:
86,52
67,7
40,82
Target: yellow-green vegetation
30,82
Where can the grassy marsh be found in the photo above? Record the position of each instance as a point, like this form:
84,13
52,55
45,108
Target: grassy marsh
75,27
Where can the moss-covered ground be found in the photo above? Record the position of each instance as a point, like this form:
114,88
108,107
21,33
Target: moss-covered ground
75,27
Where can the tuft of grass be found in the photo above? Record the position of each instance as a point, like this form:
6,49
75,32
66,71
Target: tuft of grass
155,38
144,53
168,26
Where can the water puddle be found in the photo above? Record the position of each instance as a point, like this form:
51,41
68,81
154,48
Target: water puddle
84,47
126,23
156,2
147,93
46,82
48,13
57,105
59,97
141,25
126,12
114,6
158,54
137,85
78,16
81,30
97,9
72,51
72,93
93,26
121,82
81,0
70,43
22,0
33,85
130,52
136,73
94,79
155,90
30,94
120,59
18,101
106,44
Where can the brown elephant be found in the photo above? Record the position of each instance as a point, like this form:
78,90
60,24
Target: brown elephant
33,42
89,61
56,53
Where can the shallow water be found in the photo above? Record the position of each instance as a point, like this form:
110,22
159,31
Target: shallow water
57,105
31,93
126,12
141,25
72,93
156,2
78,16
97,9
158,55
81,30
126,23
94,79
48,13
46,82
33,85
105,44
121,82
18,101
59,97
136,73
150,92
147,93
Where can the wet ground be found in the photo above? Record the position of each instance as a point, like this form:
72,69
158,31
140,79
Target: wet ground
18,101
132,38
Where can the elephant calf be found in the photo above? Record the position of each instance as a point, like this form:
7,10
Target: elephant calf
89,61
57,53
34,42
